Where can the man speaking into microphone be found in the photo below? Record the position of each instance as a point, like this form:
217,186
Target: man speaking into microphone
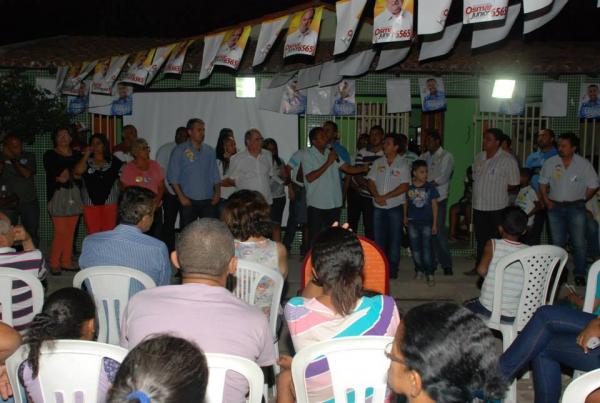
321,166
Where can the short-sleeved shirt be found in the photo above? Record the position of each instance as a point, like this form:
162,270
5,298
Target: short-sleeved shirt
325,192
420,199
388,177
491,178
210,316
226,191
163,155
23,187
311,322
363,157
526,200
150,179
295,162
568,184
410,157
195,170
440,166
253,173
535,161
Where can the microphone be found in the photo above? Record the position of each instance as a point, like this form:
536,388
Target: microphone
337,159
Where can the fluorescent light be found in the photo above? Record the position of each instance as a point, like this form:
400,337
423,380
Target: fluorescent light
503,89
245,87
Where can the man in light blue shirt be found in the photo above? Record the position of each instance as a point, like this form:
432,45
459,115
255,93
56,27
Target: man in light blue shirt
194,175
127,245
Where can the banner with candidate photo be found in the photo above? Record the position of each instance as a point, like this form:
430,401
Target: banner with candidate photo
475,11
106,73
175,63
589,104
118,103
348,14
516,104
269,31
79,103
433,96
344,99
160,56
212,44
74,76
303,32
139,67
293,100
232,49
393,20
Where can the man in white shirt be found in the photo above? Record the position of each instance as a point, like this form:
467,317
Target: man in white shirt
440,165
230,53
252,169
567,182
304,35
170,201
495,174
398,21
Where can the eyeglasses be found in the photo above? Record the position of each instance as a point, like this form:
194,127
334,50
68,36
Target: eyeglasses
389,355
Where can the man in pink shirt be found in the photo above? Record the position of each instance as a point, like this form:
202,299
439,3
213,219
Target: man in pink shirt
202,309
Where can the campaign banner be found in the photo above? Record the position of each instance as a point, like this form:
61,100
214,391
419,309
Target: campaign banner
175,63
475,11
160,56
118,103
79,104
74,76
439,47
212,44
320,100
393,20
433,96
348,14
398,96
269,31
516,104
589,104
554,98
431,16
534,23
138,69
344,99
303,32
106,73
232,49
483,36
293,100
530,6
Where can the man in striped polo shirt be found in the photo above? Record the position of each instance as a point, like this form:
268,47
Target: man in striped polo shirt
30,259
495,174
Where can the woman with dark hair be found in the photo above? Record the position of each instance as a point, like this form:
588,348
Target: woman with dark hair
226,148
443,352
278,184
68,313
339,310
246,213
59,164
99,172
162,369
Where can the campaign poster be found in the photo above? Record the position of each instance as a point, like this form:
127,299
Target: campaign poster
432,15
516,104
212,44
393,20
118,103
79,103
160,56
348,14
344,103
139,67
303,32
269,31
433,96
106,73
232,49
175,63
589,104
293,101
475,11
74,76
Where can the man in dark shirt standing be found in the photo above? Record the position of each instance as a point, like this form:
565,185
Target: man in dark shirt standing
17,172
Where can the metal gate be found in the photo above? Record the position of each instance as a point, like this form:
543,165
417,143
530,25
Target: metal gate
589,144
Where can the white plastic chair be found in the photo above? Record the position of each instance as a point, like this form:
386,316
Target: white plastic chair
67,368
355,363
219,364
110,286
7,277
592,285
579,389
540,265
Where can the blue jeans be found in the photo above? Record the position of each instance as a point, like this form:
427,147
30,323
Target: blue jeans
440,241
570,219
419,233
388,234
198,209
547,342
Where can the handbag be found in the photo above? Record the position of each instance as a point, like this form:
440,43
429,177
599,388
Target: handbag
66,202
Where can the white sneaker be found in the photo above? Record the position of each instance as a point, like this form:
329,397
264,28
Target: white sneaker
430,281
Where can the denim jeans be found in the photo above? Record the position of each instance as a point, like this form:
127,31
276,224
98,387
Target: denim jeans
591,234
570,219
440,240
198,209
547,342
419,233
388,234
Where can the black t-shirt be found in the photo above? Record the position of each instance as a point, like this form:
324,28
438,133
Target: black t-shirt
55,164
